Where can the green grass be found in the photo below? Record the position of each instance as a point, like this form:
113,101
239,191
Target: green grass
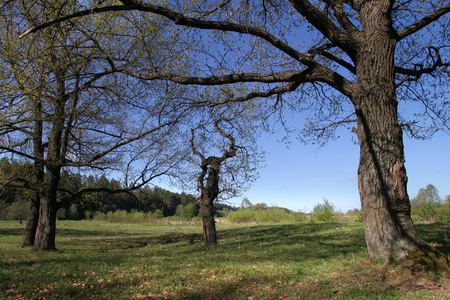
99,260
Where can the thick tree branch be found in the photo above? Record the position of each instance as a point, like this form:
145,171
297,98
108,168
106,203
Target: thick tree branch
342,17
215,80
319,20
318,73
411,29
333,78
180,19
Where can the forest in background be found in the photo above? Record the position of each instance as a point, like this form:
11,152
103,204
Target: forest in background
146,204
153,203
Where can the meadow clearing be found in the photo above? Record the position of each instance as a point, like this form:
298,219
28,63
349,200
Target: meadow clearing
102,260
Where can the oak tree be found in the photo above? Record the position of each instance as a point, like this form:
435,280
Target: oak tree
65,107
359,61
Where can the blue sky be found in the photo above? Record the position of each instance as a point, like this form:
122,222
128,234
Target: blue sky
300,176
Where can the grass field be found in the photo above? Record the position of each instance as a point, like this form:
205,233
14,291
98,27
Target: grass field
99,260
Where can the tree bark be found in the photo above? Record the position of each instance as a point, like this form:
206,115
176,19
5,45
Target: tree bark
389,230
208,194
209,224
46,230
32,222
209,187
38,176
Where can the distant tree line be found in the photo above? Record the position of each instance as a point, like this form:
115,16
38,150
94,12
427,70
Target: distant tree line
151,200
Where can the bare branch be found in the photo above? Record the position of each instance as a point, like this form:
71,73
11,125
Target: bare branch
411,29
419,70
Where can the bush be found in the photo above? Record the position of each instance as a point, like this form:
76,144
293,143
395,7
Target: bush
159,214
89,214
323,211
266,215
354,215
99,216
190,210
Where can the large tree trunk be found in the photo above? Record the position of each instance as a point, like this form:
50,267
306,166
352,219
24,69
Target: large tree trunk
32,222
46,230
389,230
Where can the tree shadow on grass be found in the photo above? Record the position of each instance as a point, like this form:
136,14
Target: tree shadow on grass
174,237
303,239
437,234
12,231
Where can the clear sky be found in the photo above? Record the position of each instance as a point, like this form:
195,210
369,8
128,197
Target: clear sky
300,176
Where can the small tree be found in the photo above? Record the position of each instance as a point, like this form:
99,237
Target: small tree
159,214
179,211
428,205
209,181
323,211
190,210
64,106
18,211
246,203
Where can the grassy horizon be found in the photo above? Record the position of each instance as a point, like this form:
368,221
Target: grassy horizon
100,260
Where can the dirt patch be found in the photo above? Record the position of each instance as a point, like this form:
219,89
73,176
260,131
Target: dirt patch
398,278
406,280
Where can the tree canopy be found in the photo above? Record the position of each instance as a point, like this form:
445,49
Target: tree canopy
352,63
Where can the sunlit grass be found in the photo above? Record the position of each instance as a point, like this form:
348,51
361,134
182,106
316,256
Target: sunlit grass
99,260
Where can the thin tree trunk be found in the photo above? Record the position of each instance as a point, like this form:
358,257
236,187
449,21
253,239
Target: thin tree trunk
46,230
38,177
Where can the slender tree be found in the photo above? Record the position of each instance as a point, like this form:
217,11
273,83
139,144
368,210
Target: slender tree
223,142
363,57
208,181
67,108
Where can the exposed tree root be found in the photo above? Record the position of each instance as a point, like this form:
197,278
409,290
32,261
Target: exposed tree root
427,259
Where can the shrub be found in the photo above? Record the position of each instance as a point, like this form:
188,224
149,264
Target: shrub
159,214
190,210
323,211
89,214
354,215
267,215
99,216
